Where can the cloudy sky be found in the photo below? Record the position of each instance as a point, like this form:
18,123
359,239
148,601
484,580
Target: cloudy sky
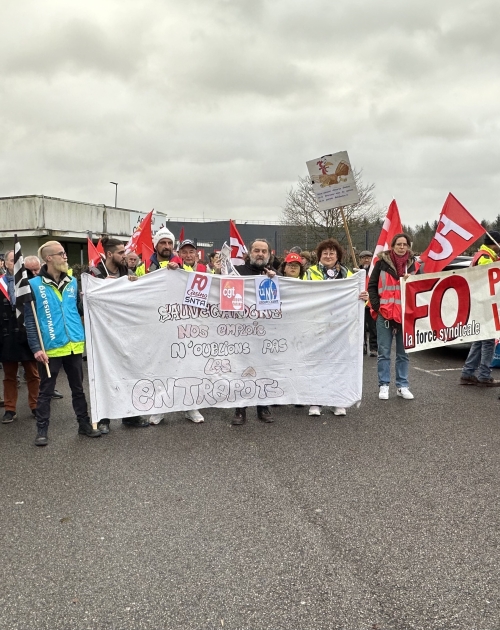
212,107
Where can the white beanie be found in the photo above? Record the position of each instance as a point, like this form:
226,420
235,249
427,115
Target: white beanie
162,233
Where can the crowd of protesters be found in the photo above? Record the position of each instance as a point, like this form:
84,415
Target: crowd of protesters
55,338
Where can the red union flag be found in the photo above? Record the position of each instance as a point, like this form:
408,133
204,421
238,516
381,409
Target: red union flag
391,227
141,235
457,229
95,253
238,249
232,294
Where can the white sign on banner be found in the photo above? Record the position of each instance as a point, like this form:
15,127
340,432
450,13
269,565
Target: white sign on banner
267,292
450,307
333,181
197,289
177,357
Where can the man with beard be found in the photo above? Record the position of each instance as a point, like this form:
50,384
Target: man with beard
257,264
163,256
115,266
58,309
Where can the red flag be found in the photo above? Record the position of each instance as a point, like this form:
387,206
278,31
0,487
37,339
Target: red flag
94,253
238,248
457,229
391,227
181,235
141,235
146,252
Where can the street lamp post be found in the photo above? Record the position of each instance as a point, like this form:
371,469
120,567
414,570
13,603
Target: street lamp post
115,184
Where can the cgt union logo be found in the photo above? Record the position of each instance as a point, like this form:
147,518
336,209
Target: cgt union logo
232,293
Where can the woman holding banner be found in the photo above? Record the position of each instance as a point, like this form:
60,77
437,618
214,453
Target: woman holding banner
384,289
330,267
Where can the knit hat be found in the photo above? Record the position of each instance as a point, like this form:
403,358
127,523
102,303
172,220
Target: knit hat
163,233
491,237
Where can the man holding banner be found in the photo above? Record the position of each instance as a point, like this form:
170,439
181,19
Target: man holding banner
163,255
481,352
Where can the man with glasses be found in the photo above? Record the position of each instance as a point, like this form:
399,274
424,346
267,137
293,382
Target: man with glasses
58,309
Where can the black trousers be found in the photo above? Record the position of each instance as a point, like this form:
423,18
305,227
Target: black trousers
371,329
73,366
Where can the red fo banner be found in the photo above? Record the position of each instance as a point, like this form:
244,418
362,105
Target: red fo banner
238,249
457,230
391,227
232,294
442,309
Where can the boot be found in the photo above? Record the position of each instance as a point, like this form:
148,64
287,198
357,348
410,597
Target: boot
41,437
240,416
103,426
264,414
135,421
85,428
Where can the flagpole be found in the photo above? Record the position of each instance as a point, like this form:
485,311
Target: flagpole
40,337
489,235
353,256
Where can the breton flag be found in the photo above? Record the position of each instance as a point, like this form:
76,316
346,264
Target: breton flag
22,286
238,249
456,231
392,226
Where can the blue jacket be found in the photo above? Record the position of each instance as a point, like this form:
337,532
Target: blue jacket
57,313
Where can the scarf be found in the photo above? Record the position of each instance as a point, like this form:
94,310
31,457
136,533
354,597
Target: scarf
12,289
400,262
336,271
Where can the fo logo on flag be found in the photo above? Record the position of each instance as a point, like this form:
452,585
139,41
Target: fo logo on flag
232,294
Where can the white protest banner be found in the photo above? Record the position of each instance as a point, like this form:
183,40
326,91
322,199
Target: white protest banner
197,289
450,307
333,181
148,353
267,292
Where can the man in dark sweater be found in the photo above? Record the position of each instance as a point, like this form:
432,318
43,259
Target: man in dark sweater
257,264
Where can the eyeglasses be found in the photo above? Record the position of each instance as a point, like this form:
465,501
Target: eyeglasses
63,254
401,245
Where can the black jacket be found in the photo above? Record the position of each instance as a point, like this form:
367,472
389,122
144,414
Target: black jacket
13,339
250,270
100,271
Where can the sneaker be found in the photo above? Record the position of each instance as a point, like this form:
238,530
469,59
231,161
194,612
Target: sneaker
468,380
314,410
373,353
8,417
156,418
405,393
339,411
383,392
41,437
85,428
135,421
195,416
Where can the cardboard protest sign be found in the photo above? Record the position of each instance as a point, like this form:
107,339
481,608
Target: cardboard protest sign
197,289
442,309
177,357
333,181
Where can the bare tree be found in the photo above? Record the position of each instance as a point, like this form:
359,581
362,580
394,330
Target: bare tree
307,225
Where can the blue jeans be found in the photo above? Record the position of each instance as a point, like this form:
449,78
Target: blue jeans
480,356
384,342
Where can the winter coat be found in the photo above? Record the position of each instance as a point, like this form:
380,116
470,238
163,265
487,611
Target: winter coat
13,339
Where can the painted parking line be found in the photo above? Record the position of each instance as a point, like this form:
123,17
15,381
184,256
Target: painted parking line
433,372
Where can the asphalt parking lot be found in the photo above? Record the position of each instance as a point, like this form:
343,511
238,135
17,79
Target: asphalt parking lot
384,519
